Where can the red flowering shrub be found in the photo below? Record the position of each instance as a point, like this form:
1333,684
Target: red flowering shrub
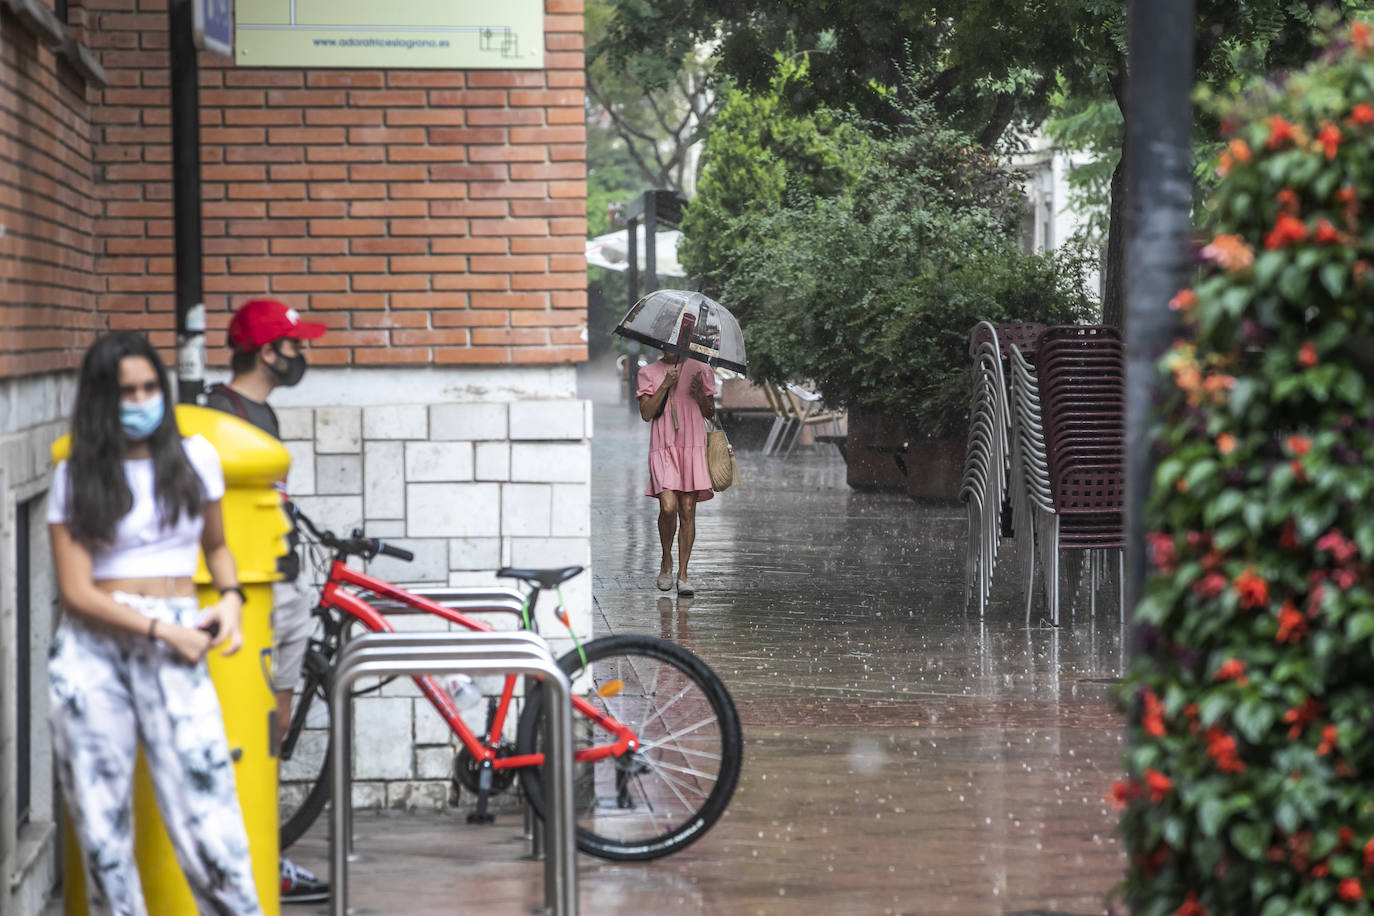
1250,769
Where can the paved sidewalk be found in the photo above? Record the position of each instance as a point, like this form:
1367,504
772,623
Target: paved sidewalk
902,756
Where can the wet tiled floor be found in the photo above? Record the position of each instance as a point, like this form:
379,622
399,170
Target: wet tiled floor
903,756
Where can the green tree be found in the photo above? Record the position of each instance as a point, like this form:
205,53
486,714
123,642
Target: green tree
863,263
1234,40
656,124
987,64
760,154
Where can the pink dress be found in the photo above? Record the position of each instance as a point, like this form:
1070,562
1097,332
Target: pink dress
677,457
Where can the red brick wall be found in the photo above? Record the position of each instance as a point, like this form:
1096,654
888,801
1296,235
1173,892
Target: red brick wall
426,216
47,249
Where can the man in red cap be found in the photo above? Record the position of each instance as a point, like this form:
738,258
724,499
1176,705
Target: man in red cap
265,337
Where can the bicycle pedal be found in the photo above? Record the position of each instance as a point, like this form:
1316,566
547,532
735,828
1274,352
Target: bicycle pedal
479,818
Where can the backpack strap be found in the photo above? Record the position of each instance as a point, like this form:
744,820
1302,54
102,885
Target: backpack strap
233,397
236,400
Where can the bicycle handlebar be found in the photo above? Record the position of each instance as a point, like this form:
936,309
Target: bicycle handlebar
358,545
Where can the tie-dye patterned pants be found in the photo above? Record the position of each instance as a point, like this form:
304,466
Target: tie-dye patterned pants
111,691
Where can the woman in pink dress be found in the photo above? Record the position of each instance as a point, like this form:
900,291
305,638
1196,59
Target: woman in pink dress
676,396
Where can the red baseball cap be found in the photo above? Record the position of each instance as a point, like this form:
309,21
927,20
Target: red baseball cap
262,321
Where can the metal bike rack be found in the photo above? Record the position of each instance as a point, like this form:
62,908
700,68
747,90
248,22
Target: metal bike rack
394,654
474,599
415,644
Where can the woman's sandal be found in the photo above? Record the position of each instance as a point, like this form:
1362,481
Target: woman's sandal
685,589
664,581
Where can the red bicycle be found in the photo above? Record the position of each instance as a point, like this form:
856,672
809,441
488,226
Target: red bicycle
657,739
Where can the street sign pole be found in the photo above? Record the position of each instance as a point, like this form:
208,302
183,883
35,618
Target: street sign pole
193,25
190,293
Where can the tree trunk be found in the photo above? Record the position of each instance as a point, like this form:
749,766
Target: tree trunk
1114,286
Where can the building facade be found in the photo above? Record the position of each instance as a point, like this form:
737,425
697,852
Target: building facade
433,219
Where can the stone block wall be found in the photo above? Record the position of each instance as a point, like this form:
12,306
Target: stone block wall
467,487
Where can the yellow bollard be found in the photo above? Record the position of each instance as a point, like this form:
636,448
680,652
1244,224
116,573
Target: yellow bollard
255,528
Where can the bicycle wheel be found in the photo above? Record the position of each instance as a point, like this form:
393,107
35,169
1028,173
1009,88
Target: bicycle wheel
307,749
663,796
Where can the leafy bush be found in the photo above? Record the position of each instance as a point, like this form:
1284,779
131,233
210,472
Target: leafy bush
1250,782
867,275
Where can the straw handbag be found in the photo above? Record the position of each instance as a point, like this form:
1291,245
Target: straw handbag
720,459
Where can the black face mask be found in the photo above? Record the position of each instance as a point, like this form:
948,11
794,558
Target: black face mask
292,372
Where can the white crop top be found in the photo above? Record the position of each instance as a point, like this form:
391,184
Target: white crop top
142,547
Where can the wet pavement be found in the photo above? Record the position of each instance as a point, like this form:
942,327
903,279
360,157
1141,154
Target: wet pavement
902,755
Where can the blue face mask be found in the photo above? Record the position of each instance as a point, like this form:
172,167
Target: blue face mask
139,420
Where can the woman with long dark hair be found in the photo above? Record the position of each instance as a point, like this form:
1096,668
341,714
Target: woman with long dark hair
129,513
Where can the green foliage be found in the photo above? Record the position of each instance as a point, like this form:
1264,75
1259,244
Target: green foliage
1091,127
759,155
612,178
655,123
863,262
990,63
1251,696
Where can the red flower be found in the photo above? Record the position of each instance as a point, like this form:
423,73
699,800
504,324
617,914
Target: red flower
1210,585
1359,36
1330,139
1346,835
1326,234
1229,251
1292,625
1231,669
1349,198
1362,113
1183,301
1369,853
1280,132
1328,741
1162,552
1299,717
1342,550
1153,718
1252,589
1191,906
1350,890
1160,785
1155,860
1298,445
1124,791
1320,871
1288,201
1314,600
1288,538
1288,230
1307,354
1221,747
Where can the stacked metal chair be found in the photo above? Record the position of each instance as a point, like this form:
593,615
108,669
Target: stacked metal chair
1082,377
1065,407
986,463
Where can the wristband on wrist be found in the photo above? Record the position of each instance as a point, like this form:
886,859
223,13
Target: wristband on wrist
152,629
243,599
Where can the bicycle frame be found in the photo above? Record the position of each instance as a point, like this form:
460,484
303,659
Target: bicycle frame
335,596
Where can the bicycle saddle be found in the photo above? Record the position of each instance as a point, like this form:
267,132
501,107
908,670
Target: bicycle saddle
546,578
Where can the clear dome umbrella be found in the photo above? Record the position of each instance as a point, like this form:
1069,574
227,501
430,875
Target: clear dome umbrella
689,324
